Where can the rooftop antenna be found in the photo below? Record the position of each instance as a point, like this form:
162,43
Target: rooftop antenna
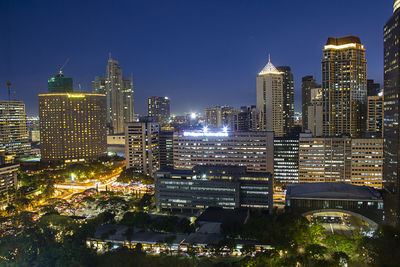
109,55
14,96
269,58
61,68
9,91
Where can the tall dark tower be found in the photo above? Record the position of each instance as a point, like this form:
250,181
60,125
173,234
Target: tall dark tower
391,52
307,83
288,98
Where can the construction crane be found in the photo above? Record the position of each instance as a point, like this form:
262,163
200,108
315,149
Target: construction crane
61,68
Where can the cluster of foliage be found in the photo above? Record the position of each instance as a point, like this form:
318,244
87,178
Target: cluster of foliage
108,201
296,242
167,224
56,240
132,175
285,231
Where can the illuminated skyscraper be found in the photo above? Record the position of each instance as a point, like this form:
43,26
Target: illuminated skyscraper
72,126
344,86
288,98
391,103
119,92
270,99
14,138
159,108
142,146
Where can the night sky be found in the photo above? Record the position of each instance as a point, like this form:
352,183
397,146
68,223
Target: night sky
198,53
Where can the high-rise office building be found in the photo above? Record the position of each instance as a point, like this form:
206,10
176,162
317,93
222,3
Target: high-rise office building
315,112
159,108
344,86
219,117
270,99
307,84
60,84
127,99
72,126
375,115
254,150
142,146
373,89
14,138
288,98
166,149
357,161
246,119
391,106
286,159
119,93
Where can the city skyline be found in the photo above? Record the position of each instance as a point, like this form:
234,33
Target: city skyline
210,55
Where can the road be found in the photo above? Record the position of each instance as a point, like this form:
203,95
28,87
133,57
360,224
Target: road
79,187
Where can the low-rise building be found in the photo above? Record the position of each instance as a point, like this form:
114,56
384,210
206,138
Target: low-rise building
315,197
8,177
116,140
212,186
356,161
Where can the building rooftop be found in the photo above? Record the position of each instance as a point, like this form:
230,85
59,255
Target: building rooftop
220,215
343,40
113,232
396,5
215,171
269,69
332,191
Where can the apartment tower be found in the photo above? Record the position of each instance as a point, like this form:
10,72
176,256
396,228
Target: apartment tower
344,86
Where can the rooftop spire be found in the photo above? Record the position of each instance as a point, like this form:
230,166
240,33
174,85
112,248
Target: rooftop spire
269,68
396,5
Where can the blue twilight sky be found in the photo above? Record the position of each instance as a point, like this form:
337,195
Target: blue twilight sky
197,52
